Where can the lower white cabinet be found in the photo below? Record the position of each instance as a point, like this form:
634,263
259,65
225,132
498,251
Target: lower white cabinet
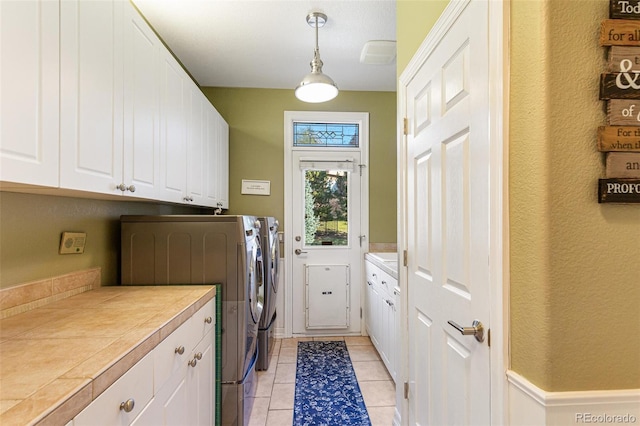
121,403
381,314
173,384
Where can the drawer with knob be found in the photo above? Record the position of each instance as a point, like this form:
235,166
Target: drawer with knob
123,400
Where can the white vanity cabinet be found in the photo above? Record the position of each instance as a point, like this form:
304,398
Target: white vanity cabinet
29,92
178,380
382,312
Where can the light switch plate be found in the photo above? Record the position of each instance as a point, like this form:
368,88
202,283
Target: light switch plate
72,242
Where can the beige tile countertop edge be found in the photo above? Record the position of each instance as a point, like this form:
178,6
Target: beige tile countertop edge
71,392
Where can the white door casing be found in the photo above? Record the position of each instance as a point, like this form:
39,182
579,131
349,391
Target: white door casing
451,218
303,271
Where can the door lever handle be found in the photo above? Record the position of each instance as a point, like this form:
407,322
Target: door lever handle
298,251
476,330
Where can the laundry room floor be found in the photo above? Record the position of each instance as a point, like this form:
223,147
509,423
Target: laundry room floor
273,405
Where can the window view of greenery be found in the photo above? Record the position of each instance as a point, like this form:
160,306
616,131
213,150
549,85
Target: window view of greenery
326,212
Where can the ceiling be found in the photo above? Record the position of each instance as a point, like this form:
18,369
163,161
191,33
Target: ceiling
268,43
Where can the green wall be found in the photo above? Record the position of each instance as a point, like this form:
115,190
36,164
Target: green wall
256,131
31,226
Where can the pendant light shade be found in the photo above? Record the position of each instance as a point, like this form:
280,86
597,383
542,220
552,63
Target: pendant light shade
316,87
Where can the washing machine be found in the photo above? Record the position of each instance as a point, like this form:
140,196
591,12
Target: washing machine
200,249
271,261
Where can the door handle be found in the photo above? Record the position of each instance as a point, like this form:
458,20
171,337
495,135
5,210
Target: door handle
476,330
299,252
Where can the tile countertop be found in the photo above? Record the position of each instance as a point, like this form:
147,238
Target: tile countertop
56,359
387,261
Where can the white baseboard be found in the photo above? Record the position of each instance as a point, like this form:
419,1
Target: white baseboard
530,405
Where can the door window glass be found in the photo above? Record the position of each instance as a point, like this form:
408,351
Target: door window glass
326,207
326,134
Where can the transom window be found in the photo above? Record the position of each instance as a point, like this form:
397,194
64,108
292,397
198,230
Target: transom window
326,134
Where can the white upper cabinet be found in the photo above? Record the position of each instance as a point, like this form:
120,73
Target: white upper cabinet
141,152
91,123
174,106
217,176
29,92
93,101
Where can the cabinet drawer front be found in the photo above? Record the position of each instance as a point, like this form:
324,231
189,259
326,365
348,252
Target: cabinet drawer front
172,354
204,320
136,384
372,272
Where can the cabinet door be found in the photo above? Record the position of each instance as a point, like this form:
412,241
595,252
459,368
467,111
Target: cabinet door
91,97
196,147
29,92
173,129
200,383
141,150
223,163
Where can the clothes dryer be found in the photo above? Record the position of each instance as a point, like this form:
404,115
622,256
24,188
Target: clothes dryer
199,249
271,261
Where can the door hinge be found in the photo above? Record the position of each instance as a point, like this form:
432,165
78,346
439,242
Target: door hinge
406,390
406,126
489,337
360,312
404,257
360,238
361,166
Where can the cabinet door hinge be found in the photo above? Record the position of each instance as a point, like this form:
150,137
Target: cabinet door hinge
489,337
360,312
404,257
406,390
406,126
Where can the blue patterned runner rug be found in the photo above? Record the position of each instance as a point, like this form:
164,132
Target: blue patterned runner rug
327,392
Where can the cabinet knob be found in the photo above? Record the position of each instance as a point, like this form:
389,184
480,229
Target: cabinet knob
128,405
208,320
122,187
198,356
179,350
131,188
193,362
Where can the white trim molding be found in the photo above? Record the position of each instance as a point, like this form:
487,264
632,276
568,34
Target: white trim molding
530,405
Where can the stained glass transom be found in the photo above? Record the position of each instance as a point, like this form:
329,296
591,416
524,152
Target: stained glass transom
326,134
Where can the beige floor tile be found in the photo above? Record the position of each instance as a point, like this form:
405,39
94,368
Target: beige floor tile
280,418
328,339
370,370
265,383
288,355
378,394
293,342
259,412
357,340
381,416
363,353
286,373
282,396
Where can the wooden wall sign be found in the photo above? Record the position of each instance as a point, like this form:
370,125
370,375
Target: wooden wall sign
618,54
619,191
620,32
619,138
620,85
624,9
623,112
623,165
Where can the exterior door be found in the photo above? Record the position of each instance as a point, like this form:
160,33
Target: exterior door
448,226
326,237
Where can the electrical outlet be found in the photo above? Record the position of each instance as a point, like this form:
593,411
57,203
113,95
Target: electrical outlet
72,242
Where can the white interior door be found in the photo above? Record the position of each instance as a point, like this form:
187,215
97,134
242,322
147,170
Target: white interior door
325,221
448,226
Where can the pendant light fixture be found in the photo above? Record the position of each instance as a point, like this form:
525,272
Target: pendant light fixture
316,87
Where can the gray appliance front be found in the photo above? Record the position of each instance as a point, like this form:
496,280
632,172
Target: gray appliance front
172,250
